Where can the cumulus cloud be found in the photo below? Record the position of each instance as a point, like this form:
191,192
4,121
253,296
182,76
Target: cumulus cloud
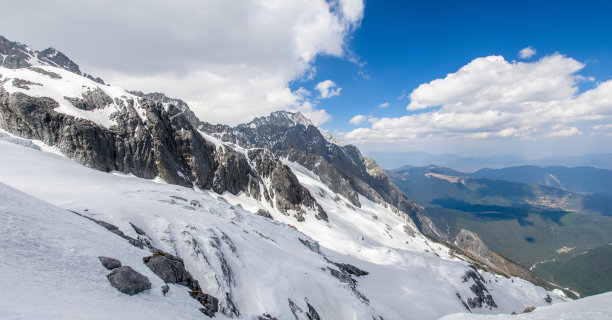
491,98
356,120
327,89
527,53
383,105
216,55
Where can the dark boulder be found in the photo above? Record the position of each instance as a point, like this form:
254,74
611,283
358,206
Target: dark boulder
110,263
128,280
168,267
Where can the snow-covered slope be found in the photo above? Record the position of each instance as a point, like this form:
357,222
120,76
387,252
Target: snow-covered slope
50,268
257,264
62,86
597,307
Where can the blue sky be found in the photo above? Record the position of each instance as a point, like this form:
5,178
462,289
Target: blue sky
456,65
406,43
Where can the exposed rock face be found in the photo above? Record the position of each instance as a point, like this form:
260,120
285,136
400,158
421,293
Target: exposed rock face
482,298
165,144
110,263
312,245
210,303
470,241
49,74
312,313
170,268
91,100
350,269
24,84
475,248
17,55
128,280
58,59
178,103
341,167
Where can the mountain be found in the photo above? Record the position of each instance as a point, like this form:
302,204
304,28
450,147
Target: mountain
534,225
394,159
578,179
14,55
269,219
342,167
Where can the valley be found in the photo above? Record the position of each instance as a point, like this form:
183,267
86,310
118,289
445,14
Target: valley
533,225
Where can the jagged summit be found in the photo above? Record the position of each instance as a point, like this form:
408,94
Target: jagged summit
281,119
15,55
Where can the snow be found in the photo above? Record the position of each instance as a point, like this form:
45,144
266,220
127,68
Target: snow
50,268
597,307
73,86
264,261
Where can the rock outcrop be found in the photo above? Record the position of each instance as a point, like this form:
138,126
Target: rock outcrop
128,280
110,263
471,245
170,268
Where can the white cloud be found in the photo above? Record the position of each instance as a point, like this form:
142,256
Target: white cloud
216,55
317,116
565,132
491,98
327,89
358,119
602,126
352,9
383,105
527,53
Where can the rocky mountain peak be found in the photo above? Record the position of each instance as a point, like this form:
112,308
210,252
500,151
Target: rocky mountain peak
15,55
58,59
280,119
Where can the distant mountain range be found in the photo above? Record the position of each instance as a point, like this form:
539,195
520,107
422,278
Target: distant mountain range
578,179
391,160
538,226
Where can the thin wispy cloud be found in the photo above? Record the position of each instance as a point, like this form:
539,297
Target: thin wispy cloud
527,53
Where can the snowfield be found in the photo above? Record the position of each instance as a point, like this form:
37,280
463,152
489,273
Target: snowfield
257,264
65,84
50,268
597,307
